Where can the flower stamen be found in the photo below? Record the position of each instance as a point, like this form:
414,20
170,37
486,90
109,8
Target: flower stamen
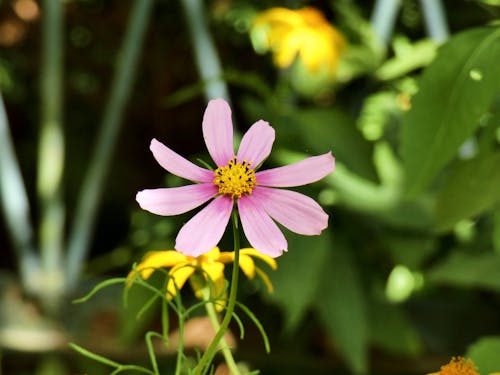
235,179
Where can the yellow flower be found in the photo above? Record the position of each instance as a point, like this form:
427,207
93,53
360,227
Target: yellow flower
209,265
304,32
458,366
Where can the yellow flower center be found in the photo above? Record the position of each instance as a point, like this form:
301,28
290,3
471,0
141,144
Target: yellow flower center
235,179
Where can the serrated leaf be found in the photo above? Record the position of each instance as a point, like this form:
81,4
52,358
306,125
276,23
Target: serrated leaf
454,92
341,306
296,279
472,187
480,270
485,354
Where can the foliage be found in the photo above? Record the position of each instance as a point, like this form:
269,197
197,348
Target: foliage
409,266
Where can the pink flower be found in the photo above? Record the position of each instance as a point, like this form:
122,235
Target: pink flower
236,181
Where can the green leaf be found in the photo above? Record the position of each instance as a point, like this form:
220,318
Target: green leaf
496,231
454,92
322,130
480,270
392,331
341,307
484,354
472,187
296,279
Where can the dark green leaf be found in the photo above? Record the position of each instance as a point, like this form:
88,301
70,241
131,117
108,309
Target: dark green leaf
341,306
472,187
322,130
481,270
391,330
296,279
454,92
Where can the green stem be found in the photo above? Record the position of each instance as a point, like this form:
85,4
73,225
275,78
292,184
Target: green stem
15,206
212,348
51,149
226,351
93,183
180,343
207,60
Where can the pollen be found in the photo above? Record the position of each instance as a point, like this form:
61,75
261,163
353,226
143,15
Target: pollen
235,179
459,366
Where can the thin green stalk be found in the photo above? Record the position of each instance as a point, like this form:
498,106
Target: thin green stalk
15,206
207,60
435,20
212,348
92,187
226,351
51,149
180,342
384,17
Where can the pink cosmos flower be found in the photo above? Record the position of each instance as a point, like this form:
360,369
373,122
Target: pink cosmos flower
235,181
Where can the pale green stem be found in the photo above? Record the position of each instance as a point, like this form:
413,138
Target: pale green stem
212,348
15,206
205,53
435,20
226,351
92,187
51,149
384,17
180,343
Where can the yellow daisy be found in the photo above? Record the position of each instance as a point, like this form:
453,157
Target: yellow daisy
209,265
305,33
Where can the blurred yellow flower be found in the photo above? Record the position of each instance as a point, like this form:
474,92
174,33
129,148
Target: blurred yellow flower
209,265
304,32
458,366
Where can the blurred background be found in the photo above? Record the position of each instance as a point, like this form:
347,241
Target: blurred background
405,93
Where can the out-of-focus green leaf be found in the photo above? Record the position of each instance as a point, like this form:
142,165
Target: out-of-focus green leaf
472,187
341,307
296,280
322,130
391,330
468,270
454,92
485,354
409,249
496,231
408,58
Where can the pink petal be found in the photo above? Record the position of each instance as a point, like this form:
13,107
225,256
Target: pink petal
218,131
176,164
301,173
175,201
295,211
256,144
204,231
260,230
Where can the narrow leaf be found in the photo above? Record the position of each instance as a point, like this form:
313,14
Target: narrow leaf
341,306
296,279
